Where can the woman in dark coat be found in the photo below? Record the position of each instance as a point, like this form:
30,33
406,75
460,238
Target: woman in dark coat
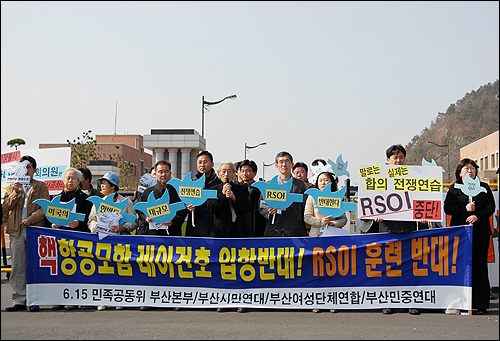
476,211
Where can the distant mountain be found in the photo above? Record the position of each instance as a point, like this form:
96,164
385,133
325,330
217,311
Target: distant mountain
469,119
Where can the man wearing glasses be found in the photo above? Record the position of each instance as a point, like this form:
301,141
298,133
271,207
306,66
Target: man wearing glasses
288,222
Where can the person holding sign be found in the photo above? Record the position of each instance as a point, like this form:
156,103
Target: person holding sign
396,156
473,205
288,222
170,228
20,212
200,221
313,216
109,186
71,178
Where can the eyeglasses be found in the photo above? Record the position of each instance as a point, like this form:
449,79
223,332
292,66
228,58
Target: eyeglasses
203,162
469,167
246,170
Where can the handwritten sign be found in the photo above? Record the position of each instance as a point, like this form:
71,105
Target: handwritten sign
17,172
59,213
330,203
159,210
470,187
192,192
51,162
404,193
106,204
278,196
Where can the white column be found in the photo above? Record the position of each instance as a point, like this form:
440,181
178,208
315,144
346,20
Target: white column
185,165
172,157
159,154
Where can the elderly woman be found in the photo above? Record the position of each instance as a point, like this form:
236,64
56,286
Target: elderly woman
109,186
71,178
475,211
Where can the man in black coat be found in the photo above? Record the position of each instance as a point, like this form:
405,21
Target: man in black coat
170,228
203,219
256,222
231,206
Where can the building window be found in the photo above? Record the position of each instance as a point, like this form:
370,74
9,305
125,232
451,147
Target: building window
486,165
481,164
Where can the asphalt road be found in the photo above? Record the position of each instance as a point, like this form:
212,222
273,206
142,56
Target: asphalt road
207,324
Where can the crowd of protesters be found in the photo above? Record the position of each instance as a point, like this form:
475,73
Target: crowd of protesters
238,210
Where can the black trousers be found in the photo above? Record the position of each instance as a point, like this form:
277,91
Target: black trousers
480,278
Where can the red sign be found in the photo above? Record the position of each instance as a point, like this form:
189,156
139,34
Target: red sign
9,157
428,209
55,185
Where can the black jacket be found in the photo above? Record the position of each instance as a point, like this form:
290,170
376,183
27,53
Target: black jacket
94,191
455,202
291,222
223,224
203,218
82,206
177,221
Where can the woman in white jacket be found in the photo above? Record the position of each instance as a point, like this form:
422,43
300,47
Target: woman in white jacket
317,220
312,215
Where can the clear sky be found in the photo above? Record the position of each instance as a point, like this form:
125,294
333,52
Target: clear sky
317,79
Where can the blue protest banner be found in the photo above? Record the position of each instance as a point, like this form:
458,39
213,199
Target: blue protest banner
422,269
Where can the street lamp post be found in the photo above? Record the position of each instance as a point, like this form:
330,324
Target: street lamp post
447,145
203,103
264,168
248,147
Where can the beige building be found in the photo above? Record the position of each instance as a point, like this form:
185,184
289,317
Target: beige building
485,153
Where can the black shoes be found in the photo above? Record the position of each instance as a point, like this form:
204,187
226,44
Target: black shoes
145,308
34,308
413,311
16,307
239,310
57,307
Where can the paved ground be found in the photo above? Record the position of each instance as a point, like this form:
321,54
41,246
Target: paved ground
257,324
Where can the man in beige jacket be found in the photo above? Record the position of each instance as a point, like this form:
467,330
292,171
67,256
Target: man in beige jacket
20,212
